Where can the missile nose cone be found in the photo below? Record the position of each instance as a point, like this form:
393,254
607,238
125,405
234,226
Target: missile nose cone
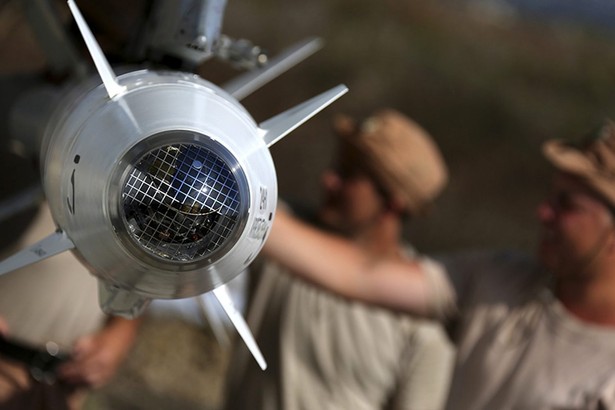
182,201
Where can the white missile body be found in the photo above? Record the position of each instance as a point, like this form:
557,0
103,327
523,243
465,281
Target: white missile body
166,190
160,182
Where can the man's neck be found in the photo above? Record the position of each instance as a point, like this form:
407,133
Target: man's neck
381,238
592,300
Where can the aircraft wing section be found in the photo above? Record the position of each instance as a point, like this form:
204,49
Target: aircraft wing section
55,243
244,85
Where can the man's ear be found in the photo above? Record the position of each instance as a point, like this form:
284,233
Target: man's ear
611,239
397,204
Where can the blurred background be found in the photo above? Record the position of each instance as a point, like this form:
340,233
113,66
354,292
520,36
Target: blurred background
489,79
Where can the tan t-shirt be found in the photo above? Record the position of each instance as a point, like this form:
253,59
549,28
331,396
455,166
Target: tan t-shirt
53,300
326,353
518,348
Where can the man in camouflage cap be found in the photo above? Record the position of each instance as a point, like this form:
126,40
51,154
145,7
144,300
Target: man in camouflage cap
327,352
397,153
531,333
587,166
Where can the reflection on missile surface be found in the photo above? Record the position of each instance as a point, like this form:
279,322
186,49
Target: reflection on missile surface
181,202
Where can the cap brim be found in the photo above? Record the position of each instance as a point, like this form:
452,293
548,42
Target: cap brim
567,159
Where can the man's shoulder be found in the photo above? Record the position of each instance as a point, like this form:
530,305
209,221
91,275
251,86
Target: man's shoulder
494,261
493,275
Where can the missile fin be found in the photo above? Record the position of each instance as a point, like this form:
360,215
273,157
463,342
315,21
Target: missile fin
223,296
206,304
100,61
244,85
54,244
276,128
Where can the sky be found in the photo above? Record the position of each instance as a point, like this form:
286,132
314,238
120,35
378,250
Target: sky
593,13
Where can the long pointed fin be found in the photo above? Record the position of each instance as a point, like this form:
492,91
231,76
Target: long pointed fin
244,85
276,128
206,304
55,243
240,324
100,61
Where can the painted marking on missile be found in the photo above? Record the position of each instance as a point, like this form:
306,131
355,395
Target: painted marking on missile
259,228
249,259
260,225
263,201
40,252
70,202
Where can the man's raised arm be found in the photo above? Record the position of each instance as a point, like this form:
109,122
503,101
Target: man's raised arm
342,267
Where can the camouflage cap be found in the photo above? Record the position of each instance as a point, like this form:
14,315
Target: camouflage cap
592,160
399,154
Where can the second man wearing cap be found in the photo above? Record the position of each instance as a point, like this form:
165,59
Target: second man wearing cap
328,352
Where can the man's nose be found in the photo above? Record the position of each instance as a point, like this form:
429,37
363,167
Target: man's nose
545,211
331,181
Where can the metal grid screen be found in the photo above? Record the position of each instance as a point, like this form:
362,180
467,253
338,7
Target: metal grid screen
181,202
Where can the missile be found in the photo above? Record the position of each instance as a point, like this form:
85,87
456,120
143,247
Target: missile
160,182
